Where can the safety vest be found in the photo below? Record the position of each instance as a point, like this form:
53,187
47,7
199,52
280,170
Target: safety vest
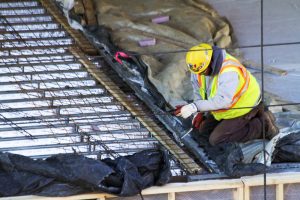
246,95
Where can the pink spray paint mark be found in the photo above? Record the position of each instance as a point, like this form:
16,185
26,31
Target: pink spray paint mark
120,54
160,19
147,42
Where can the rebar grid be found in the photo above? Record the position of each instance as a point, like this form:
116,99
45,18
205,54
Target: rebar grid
48,98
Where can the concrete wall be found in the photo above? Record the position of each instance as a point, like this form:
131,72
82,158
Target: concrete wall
281,25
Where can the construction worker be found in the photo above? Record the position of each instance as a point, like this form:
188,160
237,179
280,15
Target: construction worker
230,94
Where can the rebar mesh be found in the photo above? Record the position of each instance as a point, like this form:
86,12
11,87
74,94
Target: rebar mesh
49,103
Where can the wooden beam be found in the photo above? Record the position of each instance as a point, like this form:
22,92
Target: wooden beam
272,179
194,186
171,196
239,193
279,192
246,193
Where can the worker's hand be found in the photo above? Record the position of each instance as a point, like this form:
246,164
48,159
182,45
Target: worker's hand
198,118
187,110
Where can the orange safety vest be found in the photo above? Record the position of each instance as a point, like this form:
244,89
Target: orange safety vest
247,94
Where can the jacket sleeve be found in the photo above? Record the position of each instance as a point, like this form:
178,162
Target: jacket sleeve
227,85
195,84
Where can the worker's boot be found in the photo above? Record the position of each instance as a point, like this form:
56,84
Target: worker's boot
271,128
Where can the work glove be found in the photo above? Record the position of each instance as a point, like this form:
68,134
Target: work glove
187,110
198,118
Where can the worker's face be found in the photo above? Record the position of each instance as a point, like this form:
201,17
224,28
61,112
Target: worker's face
207,71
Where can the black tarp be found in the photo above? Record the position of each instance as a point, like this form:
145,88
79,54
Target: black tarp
288,148
229,157
70,174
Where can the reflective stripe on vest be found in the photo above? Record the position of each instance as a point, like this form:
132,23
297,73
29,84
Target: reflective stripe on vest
243,97
246,79
202,86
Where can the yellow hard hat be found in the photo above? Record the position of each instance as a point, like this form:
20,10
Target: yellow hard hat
199,57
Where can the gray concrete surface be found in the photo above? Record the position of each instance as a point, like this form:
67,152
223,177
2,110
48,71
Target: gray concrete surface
281,25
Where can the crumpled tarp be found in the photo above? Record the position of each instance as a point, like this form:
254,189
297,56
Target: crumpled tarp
191,22
70,174
288,148
229,158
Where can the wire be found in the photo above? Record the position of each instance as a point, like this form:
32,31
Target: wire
263,96
130,53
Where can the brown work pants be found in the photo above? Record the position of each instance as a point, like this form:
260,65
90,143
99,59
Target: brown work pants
240,129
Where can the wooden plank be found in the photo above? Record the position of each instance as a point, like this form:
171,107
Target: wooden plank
195,186
279,192
246,193
239,193
171,196
272,179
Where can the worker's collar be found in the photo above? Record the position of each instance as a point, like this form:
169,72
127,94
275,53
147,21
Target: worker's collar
216,61
208,71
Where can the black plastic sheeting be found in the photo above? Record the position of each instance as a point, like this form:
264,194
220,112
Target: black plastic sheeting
229,158
70,174
288,149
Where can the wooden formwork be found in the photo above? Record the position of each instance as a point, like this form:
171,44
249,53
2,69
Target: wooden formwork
240,188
